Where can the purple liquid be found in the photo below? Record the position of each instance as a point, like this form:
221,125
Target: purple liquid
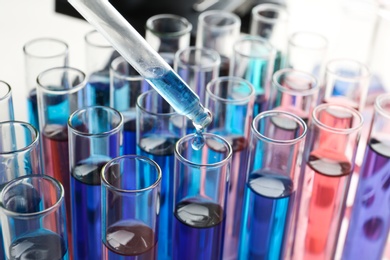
129,240
40,245
198,230
370,219
161,150
86,209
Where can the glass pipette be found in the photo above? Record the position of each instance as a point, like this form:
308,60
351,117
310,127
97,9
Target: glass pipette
149,64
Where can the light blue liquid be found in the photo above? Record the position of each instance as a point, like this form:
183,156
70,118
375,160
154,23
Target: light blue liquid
267,204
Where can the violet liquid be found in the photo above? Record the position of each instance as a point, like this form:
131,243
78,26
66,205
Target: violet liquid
198,229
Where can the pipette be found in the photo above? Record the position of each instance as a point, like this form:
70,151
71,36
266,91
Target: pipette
149,64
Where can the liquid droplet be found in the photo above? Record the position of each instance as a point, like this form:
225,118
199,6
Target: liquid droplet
198,140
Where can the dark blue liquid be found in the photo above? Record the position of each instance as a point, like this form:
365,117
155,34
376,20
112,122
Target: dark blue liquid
129,240
98,89
129,137
198,230
86,209
161,150
32,108
39,245
370,219
268,201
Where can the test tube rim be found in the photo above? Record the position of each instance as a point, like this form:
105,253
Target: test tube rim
122,76
109,186
139,106
188,138
353,111
365,75
89,42
274,141
8,94
304,93
324,45
34,142
180,64
115,129
71,90
269,7
240,81
257,39
46,211
150,20
378,105
27,44
235,24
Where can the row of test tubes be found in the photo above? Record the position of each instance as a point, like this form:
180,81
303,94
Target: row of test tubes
122,180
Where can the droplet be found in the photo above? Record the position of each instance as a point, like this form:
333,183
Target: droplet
373,228
197,141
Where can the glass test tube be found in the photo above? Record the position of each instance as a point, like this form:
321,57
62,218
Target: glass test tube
253,60
99,54
19,155
94,139
231,99
33,218
370,219
6,106
307,51
219,30
328,164
60,92
126,84
41,54
158,131
294,91
130,208
270,21
200,190
272,184
168,33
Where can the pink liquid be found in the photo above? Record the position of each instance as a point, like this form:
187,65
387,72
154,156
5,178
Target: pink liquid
326,182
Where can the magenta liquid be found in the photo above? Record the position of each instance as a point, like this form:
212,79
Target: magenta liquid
370,218
129,240
197,230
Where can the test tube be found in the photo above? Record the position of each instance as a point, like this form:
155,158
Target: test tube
231,100
19,155
327,167
218,30
307,51
200,190
370,220
94,139
130,208
253,60
33,218
126,84
270,21
133,48
294,91
6,106
98,57
60,92
168,33
158,131
272,184
41,54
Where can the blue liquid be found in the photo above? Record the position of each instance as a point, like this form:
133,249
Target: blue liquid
129,137
161,150
198,230
98,89
39,245
86,209
32,109
267,205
